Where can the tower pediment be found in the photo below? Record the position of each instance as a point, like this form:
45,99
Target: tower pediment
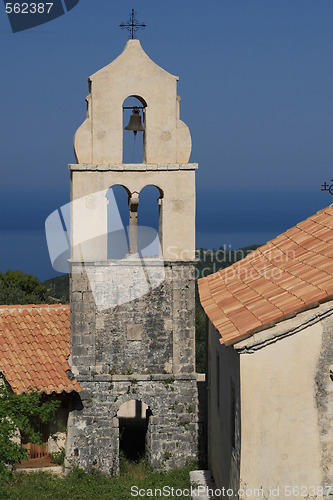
99,140
134,57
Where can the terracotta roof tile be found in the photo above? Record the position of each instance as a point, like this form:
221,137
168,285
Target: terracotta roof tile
285,276
34,347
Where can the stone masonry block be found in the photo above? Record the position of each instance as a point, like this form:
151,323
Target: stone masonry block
134,332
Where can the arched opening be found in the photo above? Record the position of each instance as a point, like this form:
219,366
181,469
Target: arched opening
117,222
133,144
133,419
150,221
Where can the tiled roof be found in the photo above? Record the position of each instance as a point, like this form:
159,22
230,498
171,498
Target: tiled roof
34,348
289,274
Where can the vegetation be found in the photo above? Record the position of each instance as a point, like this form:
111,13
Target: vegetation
58,288
19,288
58,457
84,485
23,413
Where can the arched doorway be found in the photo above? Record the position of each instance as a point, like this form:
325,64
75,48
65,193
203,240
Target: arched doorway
133,419
133,144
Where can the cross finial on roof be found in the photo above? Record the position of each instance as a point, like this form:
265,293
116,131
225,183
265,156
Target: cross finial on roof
132,24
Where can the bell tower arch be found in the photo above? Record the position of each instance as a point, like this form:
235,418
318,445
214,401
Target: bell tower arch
132,319
134,114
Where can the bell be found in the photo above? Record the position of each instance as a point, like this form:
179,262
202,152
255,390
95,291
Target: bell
135,122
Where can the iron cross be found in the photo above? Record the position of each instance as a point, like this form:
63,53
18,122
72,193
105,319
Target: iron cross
132,24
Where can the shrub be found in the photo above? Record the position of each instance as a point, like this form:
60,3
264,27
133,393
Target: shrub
58,457
21,412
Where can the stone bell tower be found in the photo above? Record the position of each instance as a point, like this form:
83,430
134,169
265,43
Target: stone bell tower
133,319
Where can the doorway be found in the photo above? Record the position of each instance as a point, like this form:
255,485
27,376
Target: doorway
133,419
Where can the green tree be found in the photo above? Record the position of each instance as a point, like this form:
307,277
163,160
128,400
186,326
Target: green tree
19,288
21,412
59,288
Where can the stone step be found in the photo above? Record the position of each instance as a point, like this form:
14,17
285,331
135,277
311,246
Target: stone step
202,484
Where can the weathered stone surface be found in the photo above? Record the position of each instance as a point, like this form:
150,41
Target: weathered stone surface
94,432
163,319
122,369
134,332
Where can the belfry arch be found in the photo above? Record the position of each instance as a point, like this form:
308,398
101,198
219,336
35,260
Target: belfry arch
150,221
117,221
134,142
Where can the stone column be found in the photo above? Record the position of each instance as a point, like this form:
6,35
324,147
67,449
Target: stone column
133,223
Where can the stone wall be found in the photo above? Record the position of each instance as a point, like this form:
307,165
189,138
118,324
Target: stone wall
93,438
143,349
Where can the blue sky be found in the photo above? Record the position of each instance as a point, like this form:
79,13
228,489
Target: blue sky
256,82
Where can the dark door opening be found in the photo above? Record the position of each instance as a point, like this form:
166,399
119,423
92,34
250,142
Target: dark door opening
133,426
132,435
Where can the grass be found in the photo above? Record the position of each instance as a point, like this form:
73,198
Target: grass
82,485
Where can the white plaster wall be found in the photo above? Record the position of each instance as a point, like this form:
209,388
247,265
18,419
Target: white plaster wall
280,435
89,211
